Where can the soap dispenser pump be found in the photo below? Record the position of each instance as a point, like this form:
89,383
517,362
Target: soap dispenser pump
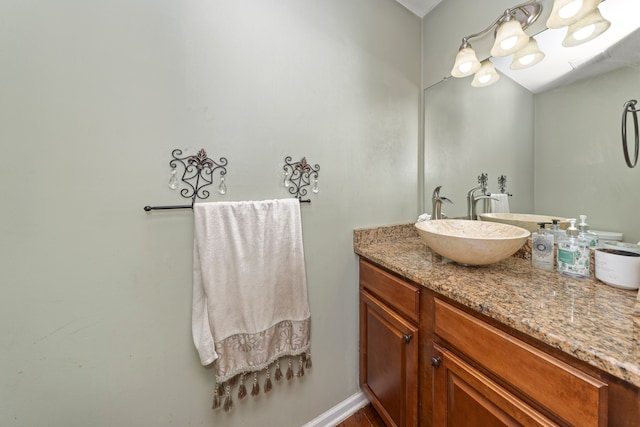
573,253
586,234
542,248
556,230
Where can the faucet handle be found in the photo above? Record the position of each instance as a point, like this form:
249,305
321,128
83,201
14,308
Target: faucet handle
436,193
437,197
437,200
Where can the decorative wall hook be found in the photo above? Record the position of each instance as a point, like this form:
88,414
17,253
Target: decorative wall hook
483,180
502,183
197,173
298,176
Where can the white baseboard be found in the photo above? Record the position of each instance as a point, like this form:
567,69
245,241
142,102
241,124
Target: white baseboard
340,412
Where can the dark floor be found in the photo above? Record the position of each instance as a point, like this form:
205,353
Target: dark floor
365,417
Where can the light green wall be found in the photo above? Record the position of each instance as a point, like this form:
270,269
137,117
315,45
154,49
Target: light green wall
95,301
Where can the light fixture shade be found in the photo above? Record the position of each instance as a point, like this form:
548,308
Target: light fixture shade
588,28
466,63
567,12
528,56
509,38
486,75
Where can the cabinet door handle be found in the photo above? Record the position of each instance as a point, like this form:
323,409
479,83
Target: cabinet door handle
406,338
436,361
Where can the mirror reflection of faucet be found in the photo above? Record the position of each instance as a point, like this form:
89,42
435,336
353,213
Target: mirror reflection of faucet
437,200
473,198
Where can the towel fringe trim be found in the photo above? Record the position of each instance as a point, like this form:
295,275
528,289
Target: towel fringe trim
223,391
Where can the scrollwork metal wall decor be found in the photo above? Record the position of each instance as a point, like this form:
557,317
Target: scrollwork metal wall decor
298,176
197,174
502,185
483,180
630,107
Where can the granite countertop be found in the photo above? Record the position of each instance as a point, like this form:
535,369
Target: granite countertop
594,322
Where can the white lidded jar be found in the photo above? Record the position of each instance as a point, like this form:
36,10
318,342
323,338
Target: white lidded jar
619,268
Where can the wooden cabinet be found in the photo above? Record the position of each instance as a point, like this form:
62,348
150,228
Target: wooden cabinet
465,397
389,336
426,360
499,380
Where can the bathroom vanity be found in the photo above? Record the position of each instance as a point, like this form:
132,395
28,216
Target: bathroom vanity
505,344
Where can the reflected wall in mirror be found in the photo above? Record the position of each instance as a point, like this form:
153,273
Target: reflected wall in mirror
579,161
470,131
561,149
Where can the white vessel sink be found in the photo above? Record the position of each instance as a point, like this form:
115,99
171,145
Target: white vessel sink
472,242
527,221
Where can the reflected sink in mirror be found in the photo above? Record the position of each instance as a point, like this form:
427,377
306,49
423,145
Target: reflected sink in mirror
526,221
472,242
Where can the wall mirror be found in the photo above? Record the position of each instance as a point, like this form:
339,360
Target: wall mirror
560,148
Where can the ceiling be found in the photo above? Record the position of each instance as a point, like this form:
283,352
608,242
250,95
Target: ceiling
617,47
419,7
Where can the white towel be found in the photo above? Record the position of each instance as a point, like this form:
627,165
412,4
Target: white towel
501,205
250,304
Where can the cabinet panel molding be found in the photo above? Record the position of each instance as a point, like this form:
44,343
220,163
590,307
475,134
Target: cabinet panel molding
388,362
574,396
402,296
465,396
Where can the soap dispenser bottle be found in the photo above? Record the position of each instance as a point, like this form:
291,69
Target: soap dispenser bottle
556,230
573,253
589,236
542,248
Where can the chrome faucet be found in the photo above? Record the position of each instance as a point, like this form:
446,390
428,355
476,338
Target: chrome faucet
437,199
472,201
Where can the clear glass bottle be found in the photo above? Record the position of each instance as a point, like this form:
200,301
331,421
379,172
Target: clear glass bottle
590,236
542,248
574,255
556,230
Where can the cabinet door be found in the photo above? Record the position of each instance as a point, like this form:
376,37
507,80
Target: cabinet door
564,391
388,362
463,396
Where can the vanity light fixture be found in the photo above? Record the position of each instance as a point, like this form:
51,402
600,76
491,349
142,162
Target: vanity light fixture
486,75
582,17
567,12
466,61
510,36
588,28
528,56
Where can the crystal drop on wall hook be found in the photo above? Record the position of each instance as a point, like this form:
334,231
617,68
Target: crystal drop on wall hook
315,188
173,180
286,179
222,188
